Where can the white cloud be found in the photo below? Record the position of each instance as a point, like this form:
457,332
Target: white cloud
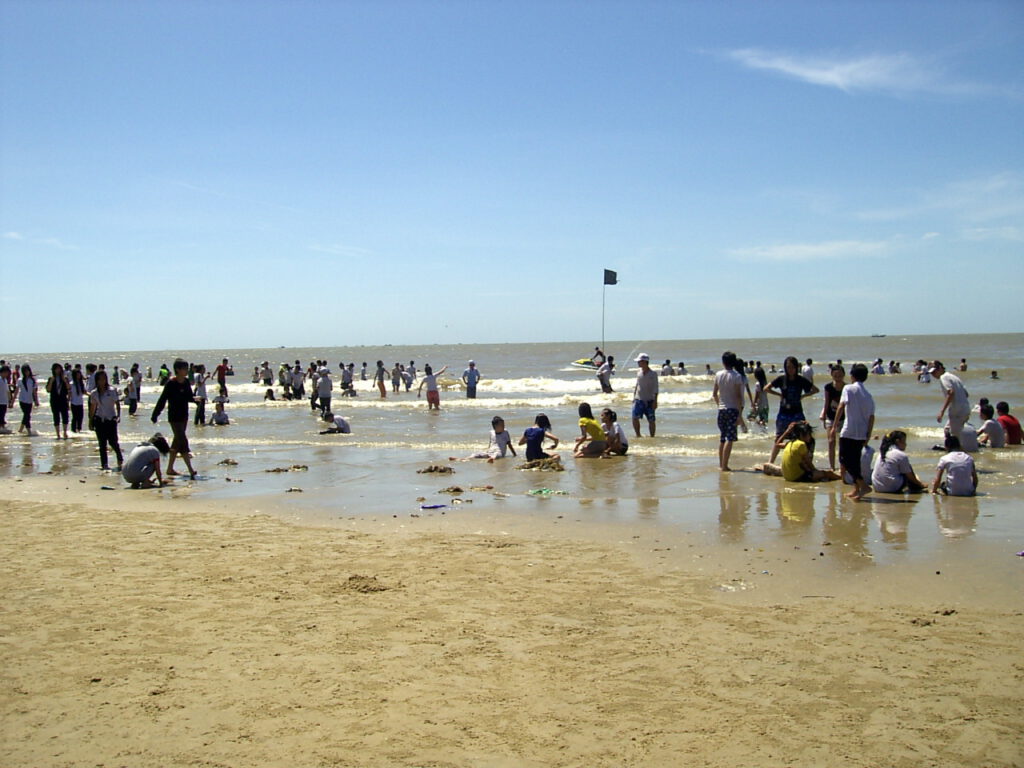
1012,234
892,73
48,242
984,200
802,252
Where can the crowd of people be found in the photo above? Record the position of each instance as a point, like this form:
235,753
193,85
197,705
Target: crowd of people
847,414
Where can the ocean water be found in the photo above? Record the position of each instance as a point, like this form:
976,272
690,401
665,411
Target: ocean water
672,478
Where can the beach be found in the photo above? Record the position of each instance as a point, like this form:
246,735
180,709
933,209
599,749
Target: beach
645,610
150,631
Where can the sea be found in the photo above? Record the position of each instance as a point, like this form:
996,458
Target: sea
668,480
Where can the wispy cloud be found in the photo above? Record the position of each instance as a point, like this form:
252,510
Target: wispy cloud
341,250
900,73
48,242
803,252
994,202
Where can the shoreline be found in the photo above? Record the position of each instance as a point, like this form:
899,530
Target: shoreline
151,631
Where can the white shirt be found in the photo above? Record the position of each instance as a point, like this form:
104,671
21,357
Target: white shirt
26,390
342,425
860,407
950,381
730,389
807,372
958,466
996,433
888,475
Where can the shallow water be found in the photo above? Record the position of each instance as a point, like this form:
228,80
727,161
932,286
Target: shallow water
671,479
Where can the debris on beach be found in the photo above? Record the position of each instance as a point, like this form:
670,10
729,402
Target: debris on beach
452,489
550,464
435,506
363,584
462,501
438,468
227,463
107,488
293,489
481,487
292,468
546,492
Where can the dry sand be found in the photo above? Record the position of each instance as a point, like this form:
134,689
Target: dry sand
173,633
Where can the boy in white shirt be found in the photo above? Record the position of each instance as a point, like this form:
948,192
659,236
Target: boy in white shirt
961,476
991,433
856,413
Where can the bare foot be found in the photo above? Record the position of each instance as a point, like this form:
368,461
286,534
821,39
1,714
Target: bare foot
173,473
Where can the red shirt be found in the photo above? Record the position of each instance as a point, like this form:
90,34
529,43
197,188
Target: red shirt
1012,428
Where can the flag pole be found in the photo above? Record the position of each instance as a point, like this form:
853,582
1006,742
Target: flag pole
604,290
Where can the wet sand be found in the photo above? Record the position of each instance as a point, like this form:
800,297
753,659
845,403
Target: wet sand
154,629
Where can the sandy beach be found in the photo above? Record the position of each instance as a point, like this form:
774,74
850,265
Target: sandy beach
149,631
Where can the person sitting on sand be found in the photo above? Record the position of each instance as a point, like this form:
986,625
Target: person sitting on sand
618,445
592,441
991,432
500,441
144,461
892,472
339,424
961,476
797,446
533,438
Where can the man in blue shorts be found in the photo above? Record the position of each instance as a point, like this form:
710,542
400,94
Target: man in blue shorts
645,395
728,395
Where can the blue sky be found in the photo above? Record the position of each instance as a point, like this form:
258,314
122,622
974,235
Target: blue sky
233,174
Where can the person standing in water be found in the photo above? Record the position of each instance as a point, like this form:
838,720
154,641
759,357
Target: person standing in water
177,395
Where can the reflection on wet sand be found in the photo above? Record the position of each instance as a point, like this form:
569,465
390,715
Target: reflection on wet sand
957,516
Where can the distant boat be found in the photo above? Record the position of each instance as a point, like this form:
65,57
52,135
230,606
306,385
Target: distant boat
877,335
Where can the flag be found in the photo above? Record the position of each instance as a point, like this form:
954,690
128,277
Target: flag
610,278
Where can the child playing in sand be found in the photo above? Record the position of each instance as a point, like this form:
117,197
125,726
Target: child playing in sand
339,425
500,441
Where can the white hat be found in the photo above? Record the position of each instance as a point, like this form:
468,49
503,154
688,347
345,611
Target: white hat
643,357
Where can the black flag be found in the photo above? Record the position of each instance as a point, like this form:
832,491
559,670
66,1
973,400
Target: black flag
610,278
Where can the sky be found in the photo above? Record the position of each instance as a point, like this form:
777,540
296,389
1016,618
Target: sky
255,174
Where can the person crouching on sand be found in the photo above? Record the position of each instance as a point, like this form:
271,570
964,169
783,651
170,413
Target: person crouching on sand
144,461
